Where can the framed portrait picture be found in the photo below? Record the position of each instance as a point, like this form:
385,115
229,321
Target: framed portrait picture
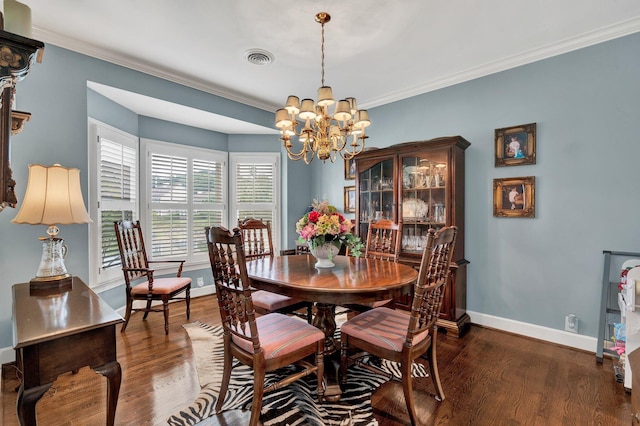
516,145
514,197
349,199
349,169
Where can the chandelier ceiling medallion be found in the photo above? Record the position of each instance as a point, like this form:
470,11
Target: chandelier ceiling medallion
322,134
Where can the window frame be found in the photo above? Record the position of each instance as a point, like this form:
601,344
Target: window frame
99,278
148,147
257,158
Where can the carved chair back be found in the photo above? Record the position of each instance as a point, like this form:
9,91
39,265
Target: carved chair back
132,250
432,279
383,240
256,234
228,262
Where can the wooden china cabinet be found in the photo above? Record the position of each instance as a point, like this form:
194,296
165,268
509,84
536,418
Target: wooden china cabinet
421,186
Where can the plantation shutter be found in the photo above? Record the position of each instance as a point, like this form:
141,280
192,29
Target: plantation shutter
169,207
187,191
118,195
208,198
255,189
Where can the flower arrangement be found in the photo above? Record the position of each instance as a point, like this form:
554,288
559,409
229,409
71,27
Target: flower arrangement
323,224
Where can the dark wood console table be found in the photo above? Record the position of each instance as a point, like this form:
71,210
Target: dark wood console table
62,332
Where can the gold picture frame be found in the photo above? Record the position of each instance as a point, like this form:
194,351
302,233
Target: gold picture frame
349,199
516,145
349,169
514,197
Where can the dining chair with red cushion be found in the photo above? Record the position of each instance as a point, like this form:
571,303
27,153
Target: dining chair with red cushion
401,337
258,244
383,243
139,277
264,343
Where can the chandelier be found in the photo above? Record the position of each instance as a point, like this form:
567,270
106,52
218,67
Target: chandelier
322,134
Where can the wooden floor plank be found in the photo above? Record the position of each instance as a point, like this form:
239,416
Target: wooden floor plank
489,378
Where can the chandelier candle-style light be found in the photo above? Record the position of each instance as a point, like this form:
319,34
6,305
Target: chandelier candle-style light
322,134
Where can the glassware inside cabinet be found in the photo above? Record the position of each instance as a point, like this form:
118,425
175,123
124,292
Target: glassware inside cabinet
423,199
376,195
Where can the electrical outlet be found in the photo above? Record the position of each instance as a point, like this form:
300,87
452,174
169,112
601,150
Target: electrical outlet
200,281
571,323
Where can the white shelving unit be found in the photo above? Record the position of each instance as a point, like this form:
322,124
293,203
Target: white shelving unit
610,313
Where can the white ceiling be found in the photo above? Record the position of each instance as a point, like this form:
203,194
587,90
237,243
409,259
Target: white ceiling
378,51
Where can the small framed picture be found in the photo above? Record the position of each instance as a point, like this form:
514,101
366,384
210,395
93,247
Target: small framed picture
349,169
516,145
349,199
514,197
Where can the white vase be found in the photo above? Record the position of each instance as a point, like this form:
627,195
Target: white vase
324,254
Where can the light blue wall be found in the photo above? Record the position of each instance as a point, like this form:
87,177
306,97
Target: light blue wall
165,131
586,104
55,93
587,108
111,113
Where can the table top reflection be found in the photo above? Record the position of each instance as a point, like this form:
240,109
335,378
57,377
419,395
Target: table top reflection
351,280
42,318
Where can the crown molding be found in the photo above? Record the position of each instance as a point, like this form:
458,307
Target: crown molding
601,35
87,49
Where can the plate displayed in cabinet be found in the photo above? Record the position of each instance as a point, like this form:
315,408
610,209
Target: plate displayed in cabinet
414,208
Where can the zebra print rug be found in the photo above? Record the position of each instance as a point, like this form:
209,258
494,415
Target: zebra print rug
295,404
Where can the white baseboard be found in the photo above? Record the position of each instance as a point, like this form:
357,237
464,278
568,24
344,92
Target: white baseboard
552,335
9,355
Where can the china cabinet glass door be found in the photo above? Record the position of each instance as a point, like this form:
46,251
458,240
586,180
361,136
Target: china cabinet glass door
423,197
376,190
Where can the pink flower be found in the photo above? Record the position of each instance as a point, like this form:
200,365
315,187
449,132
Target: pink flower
308,232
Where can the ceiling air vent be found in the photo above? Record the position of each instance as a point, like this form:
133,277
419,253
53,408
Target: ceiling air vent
258,56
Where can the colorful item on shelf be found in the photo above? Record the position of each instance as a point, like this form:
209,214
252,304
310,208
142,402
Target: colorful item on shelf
623,277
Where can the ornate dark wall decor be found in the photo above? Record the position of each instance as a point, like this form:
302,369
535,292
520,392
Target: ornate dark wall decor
17,55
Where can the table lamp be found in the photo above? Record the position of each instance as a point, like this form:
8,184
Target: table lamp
53,197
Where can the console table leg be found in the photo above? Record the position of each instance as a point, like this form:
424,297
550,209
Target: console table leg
26,404
113,373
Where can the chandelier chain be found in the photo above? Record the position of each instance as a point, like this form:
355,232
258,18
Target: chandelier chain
322,51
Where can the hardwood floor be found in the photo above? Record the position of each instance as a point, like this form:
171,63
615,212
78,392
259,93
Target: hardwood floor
489,378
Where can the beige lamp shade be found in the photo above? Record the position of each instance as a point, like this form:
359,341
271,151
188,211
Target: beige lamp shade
53,197
307,109
325,96
282,119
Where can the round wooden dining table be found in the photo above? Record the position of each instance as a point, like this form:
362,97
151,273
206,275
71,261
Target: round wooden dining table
351,280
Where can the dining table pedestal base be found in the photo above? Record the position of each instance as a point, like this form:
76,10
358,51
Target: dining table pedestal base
325,320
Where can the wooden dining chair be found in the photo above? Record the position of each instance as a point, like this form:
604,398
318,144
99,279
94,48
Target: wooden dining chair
394,335
264,343
383,243
139,277
258,244
383,240
302,249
